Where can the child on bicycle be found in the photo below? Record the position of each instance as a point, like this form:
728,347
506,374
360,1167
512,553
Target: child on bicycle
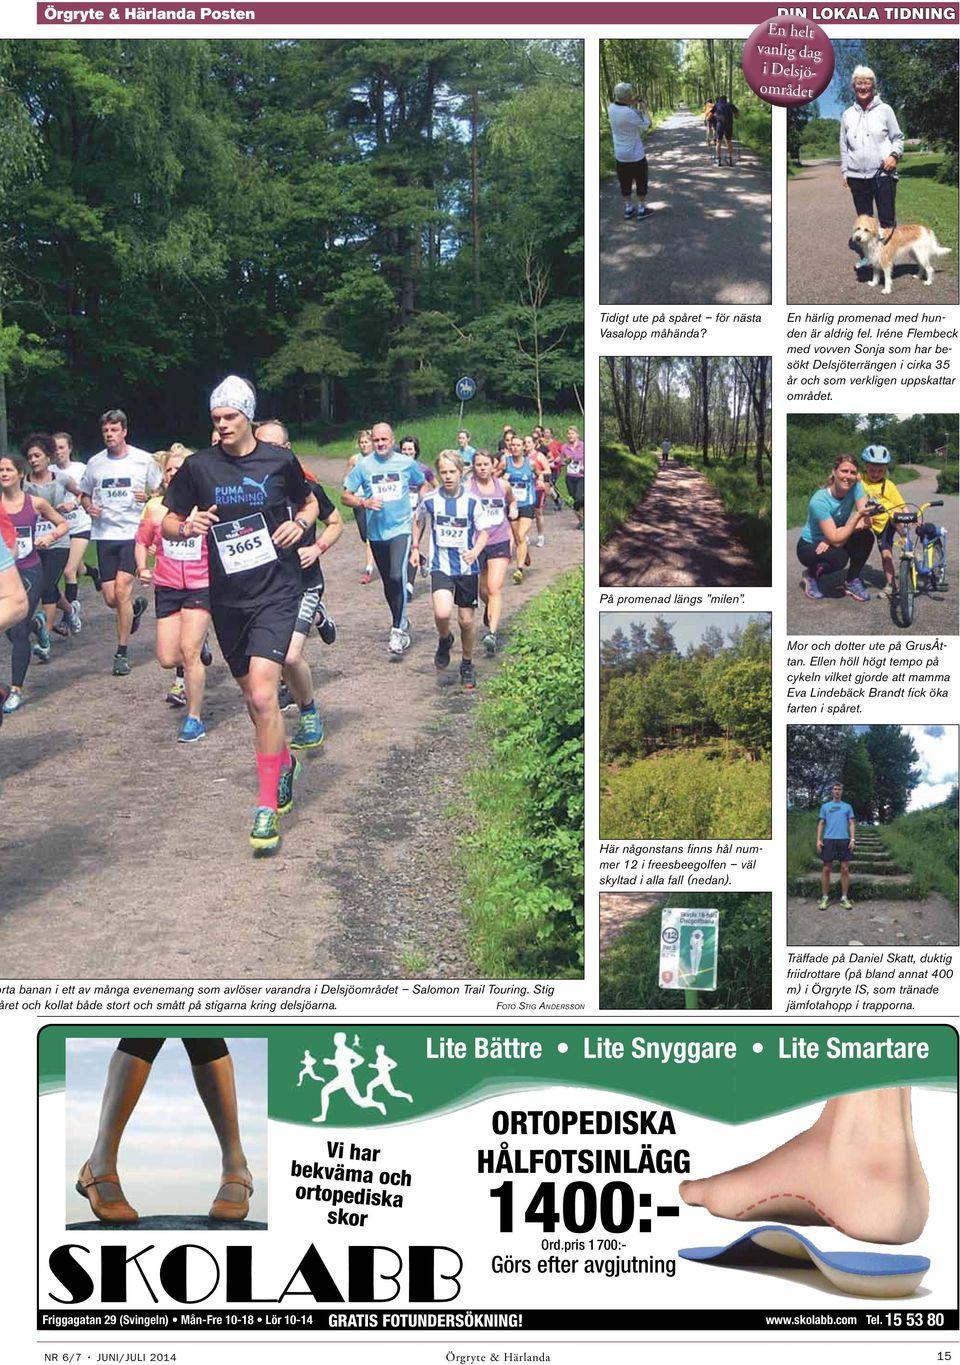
883,493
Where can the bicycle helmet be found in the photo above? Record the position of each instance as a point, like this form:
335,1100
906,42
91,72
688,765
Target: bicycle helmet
876,455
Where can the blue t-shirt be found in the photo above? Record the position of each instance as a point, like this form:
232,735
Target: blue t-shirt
836,816
6,558
823,505
467,453
389,480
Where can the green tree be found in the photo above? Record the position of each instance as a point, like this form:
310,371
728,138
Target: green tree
858,779
895,774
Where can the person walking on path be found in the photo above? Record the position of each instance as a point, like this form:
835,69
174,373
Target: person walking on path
836,837
871,145
627,125
724,112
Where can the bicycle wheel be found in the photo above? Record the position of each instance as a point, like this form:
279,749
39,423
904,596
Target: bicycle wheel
906,591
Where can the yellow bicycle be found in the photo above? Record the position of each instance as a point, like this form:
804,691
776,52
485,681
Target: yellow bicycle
921,553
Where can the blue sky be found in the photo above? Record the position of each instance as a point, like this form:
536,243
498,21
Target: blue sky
687,626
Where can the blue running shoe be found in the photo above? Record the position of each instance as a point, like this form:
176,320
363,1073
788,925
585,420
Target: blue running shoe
810,587
288,777
191,730
39,627
265,834
309,733
856,590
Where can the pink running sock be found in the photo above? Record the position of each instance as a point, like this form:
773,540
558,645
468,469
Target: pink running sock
268,775
285,760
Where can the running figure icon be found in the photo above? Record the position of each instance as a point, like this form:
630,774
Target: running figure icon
346,1062
307,1063
383,1067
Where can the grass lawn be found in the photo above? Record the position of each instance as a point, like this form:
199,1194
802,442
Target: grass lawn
921,198
624,482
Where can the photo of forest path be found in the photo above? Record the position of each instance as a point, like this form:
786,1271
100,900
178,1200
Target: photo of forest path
685,726
900,781
684,471
708,238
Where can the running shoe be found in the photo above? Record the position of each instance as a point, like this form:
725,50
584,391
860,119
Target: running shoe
824,903
405,640
42,653
74,619
468,675
518,575
846,903
490,642
811,588
288,777
191,730
121,665
285,698
139,607
442,657
61,628
206,655
12,702
367,574
265,834
424,571
177,696
326,625
856,590
395,644
628,210
39,627
642,211
541,541
309,732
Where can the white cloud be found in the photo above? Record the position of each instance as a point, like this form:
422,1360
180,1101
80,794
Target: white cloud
937,762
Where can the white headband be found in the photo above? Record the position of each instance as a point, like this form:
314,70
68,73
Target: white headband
234,392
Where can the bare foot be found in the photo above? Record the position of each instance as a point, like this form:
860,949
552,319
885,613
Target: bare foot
857,1170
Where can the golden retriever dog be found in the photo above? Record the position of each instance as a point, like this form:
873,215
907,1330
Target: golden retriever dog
884,248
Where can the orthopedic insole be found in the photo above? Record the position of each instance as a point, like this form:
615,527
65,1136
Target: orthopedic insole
869,1274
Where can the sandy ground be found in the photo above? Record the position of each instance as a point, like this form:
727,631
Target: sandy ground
931,923
679,536
125,854
708,239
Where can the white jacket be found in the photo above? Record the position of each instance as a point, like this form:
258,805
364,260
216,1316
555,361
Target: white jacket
626,125
867,137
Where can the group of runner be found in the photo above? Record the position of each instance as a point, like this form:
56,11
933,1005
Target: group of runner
233,531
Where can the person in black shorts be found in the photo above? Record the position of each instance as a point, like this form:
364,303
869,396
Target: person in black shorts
723,114
240,493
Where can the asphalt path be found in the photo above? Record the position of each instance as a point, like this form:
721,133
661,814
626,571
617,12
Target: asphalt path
125,854
820,260
935,612
679,536
708,237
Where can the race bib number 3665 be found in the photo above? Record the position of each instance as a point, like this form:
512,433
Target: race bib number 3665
244,544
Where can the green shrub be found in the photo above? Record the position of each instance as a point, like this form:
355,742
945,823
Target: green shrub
688,795
524,856
624,482
629,970
924,843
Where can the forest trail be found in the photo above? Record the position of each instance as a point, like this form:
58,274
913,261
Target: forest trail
935,612
708,239
618,911
820,261
882,919
679,536
129,856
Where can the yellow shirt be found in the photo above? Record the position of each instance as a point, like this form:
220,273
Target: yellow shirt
887,494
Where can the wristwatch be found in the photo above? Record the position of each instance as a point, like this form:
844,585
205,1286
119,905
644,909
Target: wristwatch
302,523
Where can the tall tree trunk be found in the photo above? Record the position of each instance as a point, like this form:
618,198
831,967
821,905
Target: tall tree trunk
705,396
475,194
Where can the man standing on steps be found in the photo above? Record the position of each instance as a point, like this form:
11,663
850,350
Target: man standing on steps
115,484
836,836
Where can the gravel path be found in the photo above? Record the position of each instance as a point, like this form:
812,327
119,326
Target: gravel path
931,923
125,854
708,239
935,613
679,536
820,261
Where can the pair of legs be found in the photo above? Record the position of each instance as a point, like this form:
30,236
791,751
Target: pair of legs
19,635
214,1078
575,489
180,638
724,134
844,878
117,575
493,575
633,174
839,565
521,535
54,561
876,197
443,603
298,677
391,558
857,1170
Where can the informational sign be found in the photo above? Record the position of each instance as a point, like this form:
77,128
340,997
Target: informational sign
466,389
688,949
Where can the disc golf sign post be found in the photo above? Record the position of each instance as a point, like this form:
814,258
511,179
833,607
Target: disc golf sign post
688,951
465,389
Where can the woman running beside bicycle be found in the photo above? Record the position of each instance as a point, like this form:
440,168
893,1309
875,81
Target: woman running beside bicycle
837,539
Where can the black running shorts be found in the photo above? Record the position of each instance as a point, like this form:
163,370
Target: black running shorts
115,556
465,587
262,632
170,601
